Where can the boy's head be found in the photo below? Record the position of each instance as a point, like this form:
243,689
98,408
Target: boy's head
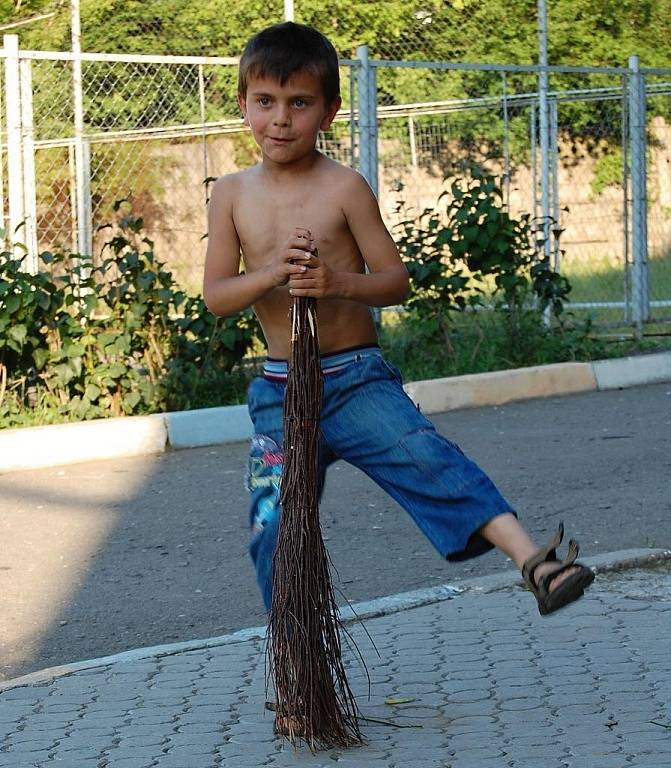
284,50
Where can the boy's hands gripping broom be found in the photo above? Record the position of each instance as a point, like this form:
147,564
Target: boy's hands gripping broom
314,700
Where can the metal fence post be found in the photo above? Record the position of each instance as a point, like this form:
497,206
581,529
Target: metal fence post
639,205
16,195
203,120
82,147
367,88
554,168
626,238
544,123
544,130
28,154
20,154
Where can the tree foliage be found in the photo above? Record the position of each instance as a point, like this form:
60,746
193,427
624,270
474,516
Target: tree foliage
595,32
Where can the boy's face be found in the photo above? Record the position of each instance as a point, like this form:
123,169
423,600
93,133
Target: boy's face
285,119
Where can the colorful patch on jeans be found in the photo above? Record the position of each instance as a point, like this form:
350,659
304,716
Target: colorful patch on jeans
264,474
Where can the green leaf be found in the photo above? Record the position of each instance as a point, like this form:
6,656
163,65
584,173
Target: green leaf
12,303
131,399
18,333
40,357
73,350
92,392
116,370
64,373
91,301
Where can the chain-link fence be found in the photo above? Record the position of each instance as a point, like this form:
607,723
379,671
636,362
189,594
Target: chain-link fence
583,181
83,132
152,131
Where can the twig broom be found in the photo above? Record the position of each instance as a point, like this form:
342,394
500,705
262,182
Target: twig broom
314,700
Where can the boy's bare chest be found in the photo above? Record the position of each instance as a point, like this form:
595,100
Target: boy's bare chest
265,221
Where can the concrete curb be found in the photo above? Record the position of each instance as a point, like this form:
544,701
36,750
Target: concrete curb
36,447
371,609
631,371
497,387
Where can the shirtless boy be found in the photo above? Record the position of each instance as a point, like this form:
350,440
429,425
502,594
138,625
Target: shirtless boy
305,225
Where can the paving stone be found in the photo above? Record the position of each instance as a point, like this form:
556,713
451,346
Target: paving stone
65,755
20,762
464,762
137,762
547,763
144,756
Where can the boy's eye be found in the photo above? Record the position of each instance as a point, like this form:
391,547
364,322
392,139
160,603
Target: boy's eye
264,101
300,102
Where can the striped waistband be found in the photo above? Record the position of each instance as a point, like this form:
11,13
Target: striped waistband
277,370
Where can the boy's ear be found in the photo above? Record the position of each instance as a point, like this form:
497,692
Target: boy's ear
331,111
242,103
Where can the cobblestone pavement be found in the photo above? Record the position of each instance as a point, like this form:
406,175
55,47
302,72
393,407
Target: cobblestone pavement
480,681
102,557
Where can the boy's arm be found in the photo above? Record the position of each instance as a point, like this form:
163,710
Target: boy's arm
225,290
386,282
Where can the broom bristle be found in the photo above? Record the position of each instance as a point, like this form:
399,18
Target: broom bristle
314,700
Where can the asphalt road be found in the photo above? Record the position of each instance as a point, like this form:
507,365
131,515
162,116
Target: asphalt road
102,557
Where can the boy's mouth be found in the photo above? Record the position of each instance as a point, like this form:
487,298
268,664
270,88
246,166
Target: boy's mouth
279,140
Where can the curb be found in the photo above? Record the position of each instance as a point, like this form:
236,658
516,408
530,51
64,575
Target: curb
371,609
38,447
498,387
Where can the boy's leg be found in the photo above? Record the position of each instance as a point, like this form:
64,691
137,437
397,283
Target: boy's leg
507,534
371,423
265,401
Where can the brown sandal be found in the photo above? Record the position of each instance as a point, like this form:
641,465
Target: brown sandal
573,586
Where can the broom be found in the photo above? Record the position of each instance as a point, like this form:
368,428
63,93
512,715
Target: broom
314,700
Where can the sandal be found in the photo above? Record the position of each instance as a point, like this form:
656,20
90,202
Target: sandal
570,589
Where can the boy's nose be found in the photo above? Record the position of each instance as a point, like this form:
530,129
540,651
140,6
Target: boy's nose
281,116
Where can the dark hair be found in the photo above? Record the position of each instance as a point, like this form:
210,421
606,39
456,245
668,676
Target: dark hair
284,50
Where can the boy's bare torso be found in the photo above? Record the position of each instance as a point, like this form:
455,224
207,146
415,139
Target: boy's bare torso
265,212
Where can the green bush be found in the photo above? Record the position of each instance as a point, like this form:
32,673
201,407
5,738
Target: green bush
469,253
116,339
481,341
474,246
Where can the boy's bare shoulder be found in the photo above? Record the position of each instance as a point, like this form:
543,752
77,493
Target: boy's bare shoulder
231,182
343,177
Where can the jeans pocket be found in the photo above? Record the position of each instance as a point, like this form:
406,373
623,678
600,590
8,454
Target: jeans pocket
263,394
393,370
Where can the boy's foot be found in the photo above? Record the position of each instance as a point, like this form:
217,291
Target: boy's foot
554,583
291,727
284,725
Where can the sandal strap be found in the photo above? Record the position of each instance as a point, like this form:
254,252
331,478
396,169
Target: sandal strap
545,554
545,581
573,550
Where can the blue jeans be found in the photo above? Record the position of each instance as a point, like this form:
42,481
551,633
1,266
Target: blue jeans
369,421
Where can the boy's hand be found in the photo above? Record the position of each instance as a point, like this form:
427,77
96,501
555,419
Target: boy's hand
292,258
318,280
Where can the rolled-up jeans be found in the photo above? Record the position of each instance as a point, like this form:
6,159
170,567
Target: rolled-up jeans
368,420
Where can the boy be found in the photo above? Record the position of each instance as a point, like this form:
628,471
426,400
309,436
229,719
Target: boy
307,226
